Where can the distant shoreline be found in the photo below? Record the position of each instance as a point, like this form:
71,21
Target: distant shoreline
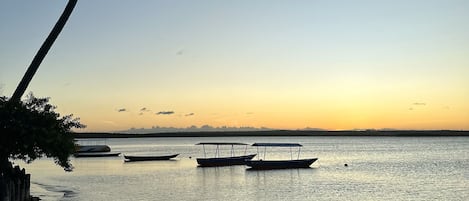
399,133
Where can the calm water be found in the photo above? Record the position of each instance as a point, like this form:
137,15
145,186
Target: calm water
379,168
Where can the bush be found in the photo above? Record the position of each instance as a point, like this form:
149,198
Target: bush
31,129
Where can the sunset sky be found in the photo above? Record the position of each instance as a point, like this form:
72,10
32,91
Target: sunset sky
280,64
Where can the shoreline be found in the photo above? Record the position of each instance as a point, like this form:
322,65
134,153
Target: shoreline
284,133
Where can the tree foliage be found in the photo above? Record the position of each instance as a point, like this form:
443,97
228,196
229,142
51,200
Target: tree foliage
31,129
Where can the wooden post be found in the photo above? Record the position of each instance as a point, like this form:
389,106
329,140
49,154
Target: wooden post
14,184
27,186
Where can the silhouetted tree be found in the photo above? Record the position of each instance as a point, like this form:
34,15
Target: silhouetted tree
32,129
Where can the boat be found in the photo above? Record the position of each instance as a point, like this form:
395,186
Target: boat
96,154
148,158
91,146
217,160
263,164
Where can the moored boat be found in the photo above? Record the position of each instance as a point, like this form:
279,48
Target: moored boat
91,145
92,148
224,161
263,164
148,158
96,154
218,160
280,164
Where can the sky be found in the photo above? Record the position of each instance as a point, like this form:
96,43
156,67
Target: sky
329,64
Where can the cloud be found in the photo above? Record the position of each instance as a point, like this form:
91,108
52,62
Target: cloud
165,113
121,110
420,104
189,114
144,109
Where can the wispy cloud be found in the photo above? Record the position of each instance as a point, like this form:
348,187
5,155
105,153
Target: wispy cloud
189,114
417,105
165,113
121,110
144,109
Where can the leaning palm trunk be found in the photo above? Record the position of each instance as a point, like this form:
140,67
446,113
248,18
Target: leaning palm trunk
28,76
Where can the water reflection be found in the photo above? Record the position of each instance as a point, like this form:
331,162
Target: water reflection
399,169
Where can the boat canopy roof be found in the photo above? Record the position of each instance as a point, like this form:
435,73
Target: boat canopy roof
220,143
277,145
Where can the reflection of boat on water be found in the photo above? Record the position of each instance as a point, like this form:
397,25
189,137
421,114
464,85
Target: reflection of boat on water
96,154
223,161
280,164
148,158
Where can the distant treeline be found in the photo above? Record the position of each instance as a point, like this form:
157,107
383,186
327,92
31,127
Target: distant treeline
403,133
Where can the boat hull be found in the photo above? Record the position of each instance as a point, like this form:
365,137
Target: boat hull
148,158
92,148
224,161
96,154
279,164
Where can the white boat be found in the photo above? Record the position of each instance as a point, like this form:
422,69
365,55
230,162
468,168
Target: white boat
93,148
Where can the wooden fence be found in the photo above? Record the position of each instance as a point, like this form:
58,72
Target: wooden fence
14,184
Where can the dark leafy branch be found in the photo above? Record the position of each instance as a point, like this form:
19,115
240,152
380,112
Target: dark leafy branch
32,129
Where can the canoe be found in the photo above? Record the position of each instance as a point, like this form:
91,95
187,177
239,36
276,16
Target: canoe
148,158
92,148
96,154
280,164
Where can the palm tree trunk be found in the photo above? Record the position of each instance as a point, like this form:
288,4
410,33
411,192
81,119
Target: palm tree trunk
28,76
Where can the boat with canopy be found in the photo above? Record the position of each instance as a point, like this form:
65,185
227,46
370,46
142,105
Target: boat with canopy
263,164
219,160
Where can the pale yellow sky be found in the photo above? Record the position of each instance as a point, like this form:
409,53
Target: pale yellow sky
319,64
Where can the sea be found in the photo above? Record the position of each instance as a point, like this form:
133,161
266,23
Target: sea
348,168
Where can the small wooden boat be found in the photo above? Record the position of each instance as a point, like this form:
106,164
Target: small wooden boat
223,161
93,145
96,154
148,158
92,148
280,164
